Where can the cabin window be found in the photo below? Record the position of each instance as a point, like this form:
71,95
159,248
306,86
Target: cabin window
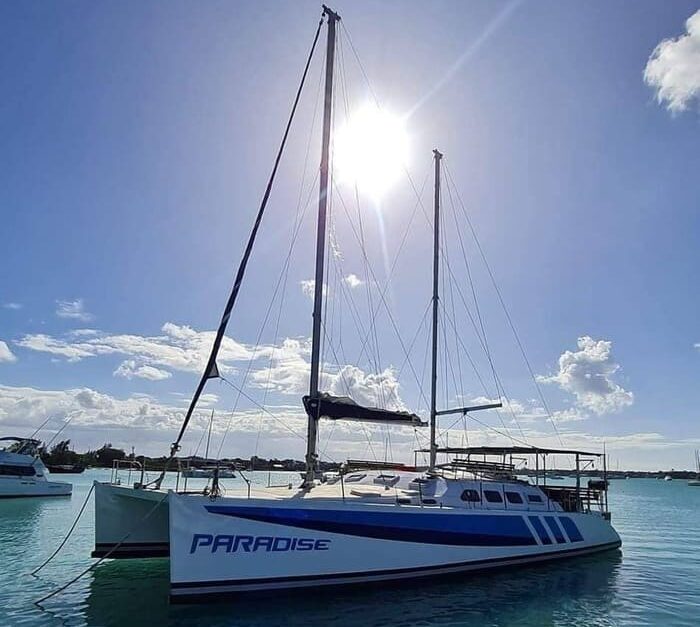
534,498
429,502
514,497
471,496
492,496
23,471
355,478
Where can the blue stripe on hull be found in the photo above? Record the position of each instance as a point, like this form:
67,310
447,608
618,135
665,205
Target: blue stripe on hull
555,529
539,528
425,528
571,529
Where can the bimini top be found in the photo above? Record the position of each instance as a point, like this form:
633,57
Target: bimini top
509,450
11,438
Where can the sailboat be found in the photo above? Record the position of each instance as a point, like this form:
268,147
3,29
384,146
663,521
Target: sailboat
208,470
696,482
380,521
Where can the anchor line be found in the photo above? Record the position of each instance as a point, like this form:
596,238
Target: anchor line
39,602
68,535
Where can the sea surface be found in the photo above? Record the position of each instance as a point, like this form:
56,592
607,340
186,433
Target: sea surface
654,580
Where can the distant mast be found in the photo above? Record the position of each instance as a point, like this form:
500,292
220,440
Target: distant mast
312,428
436,275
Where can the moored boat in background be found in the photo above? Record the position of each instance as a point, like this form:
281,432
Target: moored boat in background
23,474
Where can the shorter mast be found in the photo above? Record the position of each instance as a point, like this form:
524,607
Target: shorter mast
436,271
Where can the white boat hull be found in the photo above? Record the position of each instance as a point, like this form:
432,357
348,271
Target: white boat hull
28,487
130,523
232,545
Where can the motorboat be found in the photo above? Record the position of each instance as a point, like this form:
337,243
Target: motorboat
23,474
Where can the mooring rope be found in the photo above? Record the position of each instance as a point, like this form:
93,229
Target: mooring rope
39,602
68,535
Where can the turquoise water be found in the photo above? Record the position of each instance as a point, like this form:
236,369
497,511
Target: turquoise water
655,580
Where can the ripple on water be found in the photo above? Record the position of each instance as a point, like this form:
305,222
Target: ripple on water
652,582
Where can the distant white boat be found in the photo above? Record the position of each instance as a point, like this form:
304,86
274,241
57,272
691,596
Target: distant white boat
696,482
668,478
23,474
208,473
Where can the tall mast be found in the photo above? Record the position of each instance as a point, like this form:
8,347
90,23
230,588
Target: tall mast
436,261
312,429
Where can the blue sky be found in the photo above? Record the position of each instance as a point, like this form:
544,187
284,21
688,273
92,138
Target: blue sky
137,140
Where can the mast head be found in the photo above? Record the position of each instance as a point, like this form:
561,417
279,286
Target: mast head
437,154
332,15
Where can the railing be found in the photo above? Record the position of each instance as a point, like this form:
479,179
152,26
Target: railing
573,499
131,464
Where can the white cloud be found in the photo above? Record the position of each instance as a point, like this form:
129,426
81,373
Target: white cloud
369,389
130,369
673,69
353,280
47,344
587,374
307,287
14,306
179,348
289,368
74,309
152,425
5,353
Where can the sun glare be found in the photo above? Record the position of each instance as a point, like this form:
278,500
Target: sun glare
370,150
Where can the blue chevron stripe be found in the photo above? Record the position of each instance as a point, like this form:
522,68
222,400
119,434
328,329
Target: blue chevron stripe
425,528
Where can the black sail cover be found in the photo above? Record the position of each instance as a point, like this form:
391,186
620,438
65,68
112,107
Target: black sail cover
344,408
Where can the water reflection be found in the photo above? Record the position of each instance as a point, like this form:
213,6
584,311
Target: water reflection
576,592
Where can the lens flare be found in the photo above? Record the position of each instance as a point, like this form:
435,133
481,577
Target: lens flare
370,150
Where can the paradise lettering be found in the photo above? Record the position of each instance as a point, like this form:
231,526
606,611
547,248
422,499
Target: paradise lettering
251,544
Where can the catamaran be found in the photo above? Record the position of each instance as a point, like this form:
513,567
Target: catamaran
23,474
374,521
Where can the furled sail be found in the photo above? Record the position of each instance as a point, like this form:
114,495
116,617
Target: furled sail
344,408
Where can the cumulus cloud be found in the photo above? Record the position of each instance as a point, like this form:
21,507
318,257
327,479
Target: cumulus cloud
289,368
152,425
353,281
370,389
73,309
178,348
130,369
673,69
588,374
14,306
5,353
289,373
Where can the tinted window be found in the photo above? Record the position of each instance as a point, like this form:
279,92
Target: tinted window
514,497
24,471
492,496
534,498
429,501
471,496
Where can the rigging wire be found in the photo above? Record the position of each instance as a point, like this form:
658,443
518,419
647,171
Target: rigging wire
506,312
267,411
211,370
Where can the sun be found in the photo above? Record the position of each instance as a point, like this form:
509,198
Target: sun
370,150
